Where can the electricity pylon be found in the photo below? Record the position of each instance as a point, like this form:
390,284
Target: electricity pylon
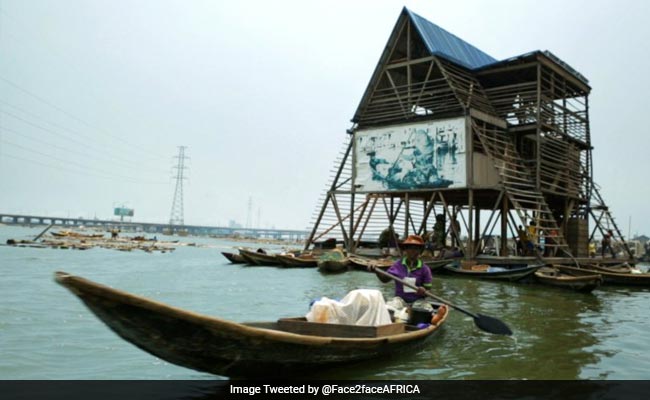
176,217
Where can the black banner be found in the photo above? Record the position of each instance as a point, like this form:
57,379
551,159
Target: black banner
299,390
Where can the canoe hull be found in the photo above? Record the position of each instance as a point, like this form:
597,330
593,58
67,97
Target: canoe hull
227,348
234,258
611,278
362,263
261,259
333,266
297,262
583,284
512,275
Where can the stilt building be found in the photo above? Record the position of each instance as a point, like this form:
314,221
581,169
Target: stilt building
443,129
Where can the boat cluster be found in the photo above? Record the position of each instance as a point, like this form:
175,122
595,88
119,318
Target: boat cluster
327,261
579,277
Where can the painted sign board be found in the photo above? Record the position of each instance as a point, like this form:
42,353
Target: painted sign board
423,155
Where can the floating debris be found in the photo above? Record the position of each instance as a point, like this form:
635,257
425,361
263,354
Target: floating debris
82,241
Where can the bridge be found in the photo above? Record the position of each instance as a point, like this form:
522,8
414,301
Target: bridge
67,222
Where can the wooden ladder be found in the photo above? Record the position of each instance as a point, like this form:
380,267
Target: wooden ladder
519,185
605,220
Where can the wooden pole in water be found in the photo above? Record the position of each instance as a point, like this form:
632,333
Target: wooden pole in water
44,230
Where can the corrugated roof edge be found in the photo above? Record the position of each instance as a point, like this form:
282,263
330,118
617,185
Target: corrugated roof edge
474,57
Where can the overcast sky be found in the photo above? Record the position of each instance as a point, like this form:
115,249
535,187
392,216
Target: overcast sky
96,97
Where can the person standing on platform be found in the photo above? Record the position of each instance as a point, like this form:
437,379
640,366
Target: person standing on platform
454,229
439,232
606,244
388,240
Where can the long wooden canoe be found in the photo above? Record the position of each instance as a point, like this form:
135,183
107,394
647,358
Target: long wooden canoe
226,348
291,261
624,268
501,272
359,262
234,258
256,258
611,278
555,277
436,264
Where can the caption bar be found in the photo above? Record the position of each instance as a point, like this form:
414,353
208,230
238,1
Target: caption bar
325,389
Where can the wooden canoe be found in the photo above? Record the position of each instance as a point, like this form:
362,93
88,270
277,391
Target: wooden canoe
359,262
436,264
616,269
333,262
511,273
580,283
255,258
291,261
253,350
333,266
234,258
611,278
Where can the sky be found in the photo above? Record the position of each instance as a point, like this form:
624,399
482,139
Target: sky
96,97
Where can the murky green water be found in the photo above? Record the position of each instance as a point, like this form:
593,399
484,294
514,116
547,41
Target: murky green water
46,333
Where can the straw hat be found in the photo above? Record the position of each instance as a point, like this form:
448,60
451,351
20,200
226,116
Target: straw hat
413,240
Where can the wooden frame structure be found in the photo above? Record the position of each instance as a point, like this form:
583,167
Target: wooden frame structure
528,148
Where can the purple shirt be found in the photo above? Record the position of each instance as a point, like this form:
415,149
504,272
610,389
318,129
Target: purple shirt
420,272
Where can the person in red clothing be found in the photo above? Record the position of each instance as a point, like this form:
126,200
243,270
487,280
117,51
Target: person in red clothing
410,268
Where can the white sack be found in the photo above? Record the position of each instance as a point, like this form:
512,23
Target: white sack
359,307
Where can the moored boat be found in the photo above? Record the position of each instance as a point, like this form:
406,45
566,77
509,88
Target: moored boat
436,264
234,258
611,278
555,277
511,273
258,258
333,262
624,268
300,261
359,262
226,348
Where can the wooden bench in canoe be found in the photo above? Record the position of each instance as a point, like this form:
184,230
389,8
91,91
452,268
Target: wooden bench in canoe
253,350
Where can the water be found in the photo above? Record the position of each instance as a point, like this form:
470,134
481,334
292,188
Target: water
46,333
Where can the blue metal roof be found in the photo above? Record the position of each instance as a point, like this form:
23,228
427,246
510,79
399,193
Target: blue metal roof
440,42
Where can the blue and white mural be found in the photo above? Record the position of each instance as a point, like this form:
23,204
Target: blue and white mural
417,156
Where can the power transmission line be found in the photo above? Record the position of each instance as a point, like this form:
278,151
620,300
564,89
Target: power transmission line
68,162
101,150
74,117
75,171
50,145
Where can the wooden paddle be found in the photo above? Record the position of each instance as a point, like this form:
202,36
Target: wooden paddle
483,322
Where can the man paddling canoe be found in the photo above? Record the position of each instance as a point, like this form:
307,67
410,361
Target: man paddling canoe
411,269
